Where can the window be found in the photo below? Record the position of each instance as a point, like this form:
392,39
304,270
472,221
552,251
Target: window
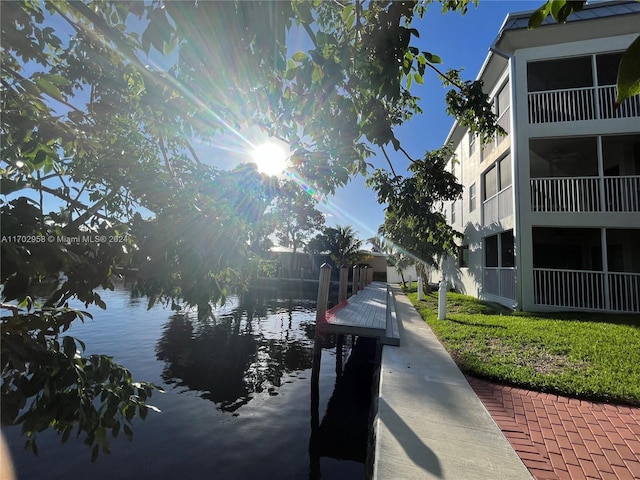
472,143
507,255
472,197
453,212
499,250
491,251
563,157
463,256
491,182
498,177
505,172
503,100
574,72
607,67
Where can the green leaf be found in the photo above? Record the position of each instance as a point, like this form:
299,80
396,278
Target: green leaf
537,17
348,9
299,56
56,79
49,88
628,82
431,58
556,6
128,432
316,75
418,78
69,346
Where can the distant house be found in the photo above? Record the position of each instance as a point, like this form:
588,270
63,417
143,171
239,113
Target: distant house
308,265
551,211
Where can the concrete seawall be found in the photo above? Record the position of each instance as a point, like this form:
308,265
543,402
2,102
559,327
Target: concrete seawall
429,423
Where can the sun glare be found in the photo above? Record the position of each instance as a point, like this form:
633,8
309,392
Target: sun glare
270,158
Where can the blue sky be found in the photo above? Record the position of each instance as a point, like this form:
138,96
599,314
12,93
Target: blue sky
461,42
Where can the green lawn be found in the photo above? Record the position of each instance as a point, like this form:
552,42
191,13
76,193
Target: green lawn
590,356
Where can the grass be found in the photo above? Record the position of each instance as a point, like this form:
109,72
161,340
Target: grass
588,356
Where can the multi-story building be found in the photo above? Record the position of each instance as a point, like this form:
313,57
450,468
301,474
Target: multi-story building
551,211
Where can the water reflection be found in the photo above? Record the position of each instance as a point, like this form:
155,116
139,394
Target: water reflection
245,351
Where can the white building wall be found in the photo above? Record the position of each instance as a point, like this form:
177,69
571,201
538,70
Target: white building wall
470,169
524,131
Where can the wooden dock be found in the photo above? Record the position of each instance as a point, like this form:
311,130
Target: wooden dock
369,313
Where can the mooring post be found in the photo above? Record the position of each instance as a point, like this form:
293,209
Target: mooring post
420,291
323,293
363,273
356,280
342,286
321,310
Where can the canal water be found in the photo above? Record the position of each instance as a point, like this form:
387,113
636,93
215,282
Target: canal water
237,403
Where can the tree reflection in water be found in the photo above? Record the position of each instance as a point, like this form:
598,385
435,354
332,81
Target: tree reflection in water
240,353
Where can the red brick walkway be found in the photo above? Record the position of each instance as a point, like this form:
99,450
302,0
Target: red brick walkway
561,438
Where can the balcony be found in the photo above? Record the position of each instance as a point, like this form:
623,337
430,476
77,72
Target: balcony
586,194
498,206
577,104
587,290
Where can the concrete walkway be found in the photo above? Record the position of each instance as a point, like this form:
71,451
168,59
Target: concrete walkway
430,423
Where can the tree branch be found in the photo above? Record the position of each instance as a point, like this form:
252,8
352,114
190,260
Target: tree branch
193,152
406,154
389,162
71,201
165,156
445,76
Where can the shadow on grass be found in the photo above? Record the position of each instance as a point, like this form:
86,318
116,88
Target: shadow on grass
474,324
616,319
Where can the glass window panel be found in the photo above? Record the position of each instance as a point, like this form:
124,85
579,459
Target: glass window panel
621,155
472,197
491,251
503,100
563,157
506,249
491,182
607,66
559,74
505,172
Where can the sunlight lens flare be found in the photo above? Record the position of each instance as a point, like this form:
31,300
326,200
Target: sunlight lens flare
270,158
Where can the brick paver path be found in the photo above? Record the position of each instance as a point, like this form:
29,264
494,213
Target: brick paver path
561,438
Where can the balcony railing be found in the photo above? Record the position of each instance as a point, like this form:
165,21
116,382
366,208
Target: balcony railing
500,282
497,207
576,104
583,194
609,109
622,194
587,290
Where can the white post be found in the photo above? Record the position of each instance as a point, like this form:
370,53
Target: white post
442,300
410,281
356,280
420,292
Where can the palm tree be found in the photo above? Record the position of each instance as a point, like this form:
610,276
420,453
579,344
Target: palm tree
341,242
